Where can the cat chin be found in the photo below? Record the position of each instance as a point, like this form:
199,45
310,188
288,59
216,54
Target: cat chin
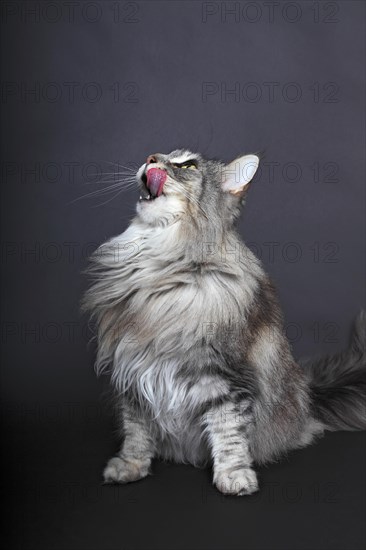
163,210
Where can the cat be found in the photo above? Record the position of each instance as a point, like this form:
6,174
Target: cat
191,332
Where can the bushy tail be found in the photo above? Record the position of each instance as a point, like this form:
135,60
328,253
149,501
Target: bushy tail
338,384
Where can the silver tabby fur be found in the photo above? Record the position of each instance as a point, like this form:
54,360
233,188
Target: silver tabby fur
192,334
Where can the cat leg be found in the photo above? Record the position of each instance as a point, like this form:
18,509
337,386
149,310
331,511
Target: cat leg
134,458
227,427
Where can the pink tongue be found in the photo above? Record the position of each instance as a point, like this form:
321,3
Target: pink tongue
155,180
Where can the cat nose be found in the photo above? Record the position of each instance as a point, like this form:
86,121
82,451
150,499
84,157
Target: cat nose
151,159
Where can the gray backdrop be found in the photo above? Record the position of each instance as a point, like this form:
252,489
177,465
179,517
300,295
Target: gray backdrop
88,84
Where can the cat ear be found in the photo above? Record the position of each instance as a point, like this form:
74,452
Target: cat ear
239,173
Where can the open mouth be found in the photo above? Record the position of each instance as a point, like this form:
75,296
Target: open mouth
153,182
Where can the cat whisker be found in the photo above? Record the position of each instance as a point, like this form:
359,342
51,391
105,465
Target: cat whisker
118,185
109,200
120,165
112,174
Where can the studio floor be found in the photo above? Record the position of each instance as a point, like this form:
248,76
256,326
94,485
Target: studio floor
312,500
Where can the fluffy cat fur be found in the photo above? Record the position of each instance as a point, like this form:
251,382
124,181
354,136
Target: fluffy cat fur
191,332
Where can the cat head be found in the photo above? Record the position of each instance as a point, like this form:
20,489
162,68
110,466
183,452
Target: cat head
184,184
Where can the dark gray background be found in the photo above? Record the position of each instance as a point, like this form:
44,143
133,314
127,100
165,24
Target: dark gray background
307,224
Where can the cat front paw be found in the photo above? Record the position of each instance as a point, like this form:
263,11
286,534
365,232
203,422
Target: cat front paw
237,482
121,470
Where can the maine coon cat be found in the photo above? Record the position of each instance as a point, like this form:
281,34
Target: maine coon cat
192,334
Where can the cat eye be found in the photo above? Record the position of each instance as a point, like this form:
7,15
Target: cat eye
187,164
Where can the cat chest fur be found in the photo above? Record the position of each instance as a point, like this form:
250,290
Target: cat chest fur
171,313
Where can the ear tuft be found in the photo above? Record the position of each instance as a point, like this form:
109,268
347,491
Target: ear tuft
239,173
